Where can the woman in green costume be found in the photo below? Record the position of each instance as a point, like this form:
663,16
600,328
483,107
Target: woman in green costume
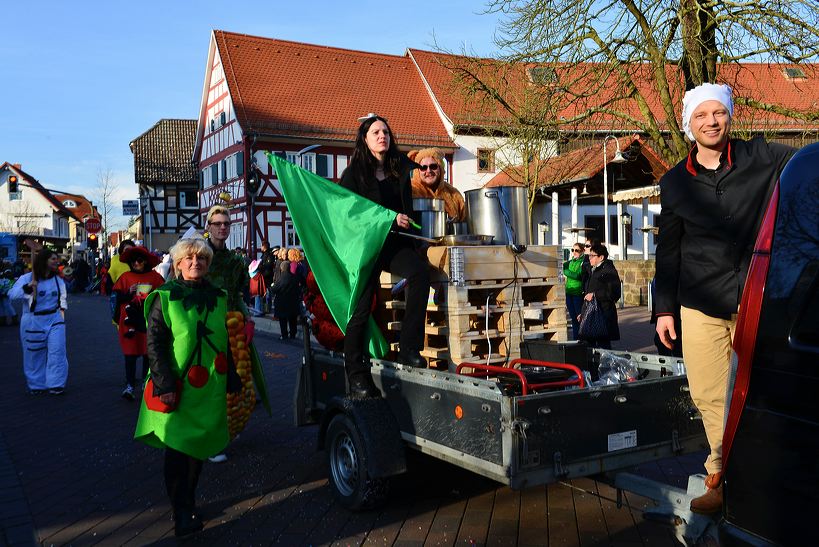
183,408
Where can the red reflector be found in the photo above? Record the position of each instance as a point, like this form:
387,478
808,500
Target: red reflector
748,322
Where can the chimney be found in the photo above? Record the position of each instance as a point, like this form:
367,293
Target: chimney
17,165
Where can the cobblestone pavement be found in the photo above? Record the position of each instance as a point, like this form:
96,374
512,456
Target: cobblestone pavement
71,474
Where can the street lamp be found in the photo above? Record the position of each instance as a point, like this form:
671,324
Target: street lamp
303,151
618,158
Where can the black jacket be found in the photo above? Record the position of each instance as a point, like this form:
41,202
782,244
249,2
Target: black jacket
286,295
708,224
604,283
367,185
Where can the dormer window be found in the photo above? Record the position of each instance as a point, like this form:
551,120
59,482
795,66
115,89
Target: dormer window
542,75
795,73
69,203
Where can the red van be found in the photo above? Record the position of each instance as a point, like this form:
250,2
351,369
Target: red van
771,443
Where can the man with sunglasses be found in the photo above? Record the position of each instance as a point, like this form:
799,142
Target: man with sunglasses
428,182
712,205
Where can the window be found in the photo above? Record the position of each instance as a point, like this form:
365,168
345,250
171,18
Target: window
792,73
189,198
290,235
486,160
214,174
542,75
324,165
341,165
69,203
222,170
308,162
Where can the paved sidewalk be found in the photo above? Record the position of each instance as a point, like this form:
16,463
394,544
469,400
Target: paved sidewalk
71,474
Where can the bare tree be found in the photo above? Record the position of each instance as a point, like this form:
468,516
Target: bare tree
104,196
626,63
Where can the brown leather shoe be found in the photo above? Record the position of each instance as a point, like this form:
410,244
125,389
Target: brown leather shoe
710,502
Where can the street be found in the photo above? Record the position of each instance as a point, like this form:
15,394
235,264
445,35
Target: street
72,474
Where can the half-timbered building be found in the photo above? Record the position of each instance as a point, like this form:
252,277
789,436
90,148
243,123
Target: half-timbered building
302,102
168,181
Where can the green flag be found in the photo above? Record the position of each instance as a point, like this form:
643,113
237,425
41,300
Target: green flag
342,234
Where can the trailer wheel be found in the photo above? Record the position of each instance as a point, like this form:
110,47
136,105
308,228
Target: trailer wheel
347,462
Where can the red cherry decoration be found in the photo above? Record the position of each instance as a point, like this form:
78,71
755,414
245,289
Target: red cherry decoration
198,376
220,363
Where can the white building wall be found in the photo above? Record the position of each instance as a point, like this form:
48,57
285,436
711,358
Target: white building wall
220,132
31,214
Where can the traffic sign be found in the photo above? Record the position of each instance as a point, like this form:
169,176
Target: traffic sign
93,225
130,207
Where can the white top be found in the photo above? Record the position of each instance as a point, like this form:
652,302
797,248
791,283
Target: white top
51,294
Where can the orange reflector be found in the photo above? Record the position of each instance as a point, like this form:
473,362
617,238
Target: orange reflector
459,412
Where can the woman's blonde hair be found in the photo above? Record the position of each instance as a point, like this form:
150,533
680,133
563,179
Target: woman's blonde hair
293,255
217,210
187,247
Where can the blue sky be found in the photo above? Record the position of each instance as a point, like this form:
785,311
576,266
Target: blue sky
84,78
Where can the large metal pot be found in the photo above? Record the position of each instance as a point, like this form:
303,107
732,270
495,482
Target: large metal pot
485,213
433,216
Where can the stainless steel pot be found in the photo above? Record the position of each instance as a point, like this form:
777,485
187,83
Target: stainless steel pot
485,213
432,215
457,228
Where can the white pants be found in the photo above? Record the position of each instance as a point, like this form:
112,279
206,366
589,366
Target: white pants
45,363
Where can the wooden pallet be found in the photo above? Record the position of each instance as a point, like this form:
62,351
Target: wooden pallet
530,306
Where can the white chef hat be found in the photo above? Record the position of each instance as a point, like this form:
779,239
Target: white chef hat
704,92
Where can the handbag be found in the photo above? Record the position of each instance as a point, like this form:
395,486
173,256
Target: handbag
593,324
257,285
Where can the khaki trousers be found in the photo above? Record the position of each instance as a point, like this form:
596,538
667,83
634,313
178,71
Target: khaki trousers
707,354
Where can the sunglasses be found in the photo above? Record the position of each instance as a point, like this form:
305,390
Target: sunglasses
219,224
431,167
577,250
139,259
587,246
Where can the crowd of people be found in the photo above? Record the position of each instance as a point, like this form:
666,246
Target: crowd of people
184,311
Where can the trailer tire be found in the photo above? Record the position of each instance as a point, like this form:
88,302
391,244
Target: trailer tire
347,462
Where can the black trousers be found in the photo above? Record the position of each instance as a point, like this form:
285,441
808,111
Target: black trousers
181,477
406,262
293,322
130,368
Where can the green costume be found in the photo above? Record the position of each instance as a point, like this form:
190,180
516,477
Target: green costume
196,319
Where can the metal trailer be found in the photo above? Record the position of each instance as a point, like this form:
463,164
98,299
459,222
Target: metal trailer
475,423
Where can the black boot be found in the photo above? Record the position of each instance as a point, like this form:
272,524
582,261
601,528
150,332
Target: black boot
186,523
362,386
412,358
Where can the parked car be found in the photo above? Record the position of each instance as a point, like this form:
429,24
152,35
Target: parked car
771,443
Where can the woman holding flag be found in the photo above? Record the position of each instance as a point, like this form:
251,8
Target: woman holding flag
380,173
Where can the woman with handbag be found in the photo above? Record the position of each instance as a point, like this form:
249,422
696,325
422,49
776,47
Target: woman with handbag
183,408
598,321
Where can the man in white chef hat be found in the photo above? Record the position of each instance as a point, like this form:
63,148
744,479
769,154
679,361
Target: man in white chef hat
712,204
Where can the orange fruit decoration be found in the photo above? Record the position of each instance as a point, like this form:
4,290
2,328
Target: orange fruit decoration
239,405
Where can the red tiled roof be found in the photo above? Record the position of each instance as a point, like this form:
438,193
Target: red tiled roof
584,164
35,184
765,83
293,89
84,207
